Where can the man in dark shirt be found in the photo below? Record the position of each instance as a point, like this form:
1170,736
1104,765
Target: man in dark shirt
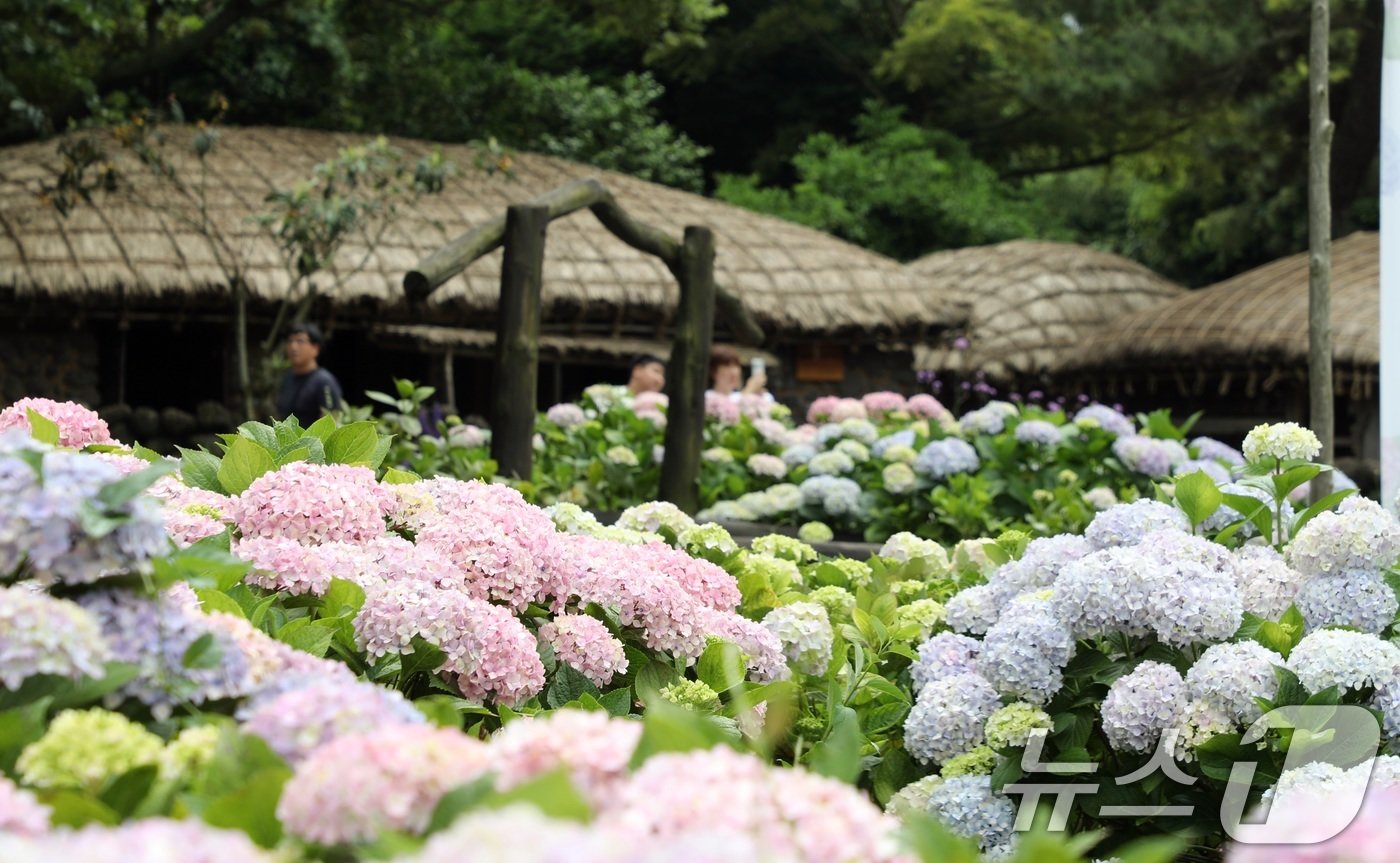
307,390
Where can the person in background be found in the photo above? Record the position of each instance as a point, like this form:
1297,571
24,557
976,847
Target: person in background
307,390
727,376
648,375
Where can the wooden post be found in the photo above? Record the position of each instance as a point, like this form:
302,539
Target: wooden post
516,374
449,380
685,379
1320,249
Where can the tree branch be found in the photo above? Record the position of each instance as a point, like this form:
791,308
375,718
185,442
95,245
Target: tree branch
1098,159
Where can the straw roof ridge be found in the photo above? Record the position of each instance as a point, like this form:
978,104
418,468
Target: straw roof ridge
1029,301
1256,318
789,276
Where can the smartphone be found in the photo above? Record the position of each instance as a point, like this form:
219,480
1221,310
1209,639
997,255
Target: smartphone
756,366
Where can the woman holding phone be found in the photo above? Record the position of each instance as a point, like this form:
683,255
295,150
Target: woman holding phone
727,373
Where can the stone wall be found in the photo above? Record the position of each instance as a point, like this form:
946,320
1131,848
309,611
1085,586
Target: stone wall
55,364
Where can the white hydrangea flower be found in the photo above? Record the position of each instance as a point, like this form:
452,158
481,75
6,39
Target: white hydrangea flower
899,478
1040,564
805,631
1105,592
1281,441
1101,498
1128,523
905,546
621,455
717,455
1346,660
913,798
969,808
708,536
854,450
1268,586
948,718
1357,599
1201,721
1143,704
944,655
1193,596
973,609
1359,535
1025,652
654,515
831,463
1232,675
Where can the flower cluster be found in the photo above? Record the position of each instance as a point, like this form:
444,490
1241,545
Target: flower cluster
85,748
585,644
949,717
805,632
1360,535
592,747
77,426
43,635
313,503
1280,441
299,721
408,767
21,814
1152,457
941,459
971,809
149,839
1013,724
1143,704
566,416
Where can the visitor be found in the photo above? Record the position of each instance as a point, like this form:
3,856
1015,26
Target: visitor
648,375
727,376
307,390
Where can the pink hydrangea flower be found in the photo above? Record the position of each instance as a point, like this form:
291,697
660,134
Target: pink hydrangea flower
593,747
650,401
360,785
721,408
272,663
763,649
879,404
77,426
927,407
487,648
1371,838
283,563
790,811
148,839
586,644
313,503
21,813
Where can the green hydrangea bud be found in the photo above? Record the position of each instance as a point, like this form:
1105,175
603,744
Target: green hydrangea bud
205,510
1012,725
908,591
838,601
913,798
189,752
810,727
85,748
781,574
979,762
785,547
707,537
692,695
923,613
815,531
857,574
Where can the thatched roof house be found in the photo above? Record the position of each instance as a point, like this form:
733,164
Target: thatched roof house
133,241
1028,303
1239,350
1248,332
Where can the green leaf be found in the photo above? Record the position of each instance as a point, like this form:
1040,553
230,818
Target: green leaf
667,727
203,652
41,428
618,702
74,809
569,684
441,710
200,469
202,565
838,755
652,678
933,842
895,770
1294,477
244,462
114,495
459,801
1290,690
1008,770
1198,496
19,728
261,434
217,601
91,690
342,597
395,476
308,636
353,444
552,793
322,428
1253,509
721,666
253,807
426,658
125,793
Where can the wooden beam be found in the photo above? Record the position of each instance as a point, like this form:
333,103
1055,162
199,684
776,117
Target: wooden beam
516,372
685,376
591,194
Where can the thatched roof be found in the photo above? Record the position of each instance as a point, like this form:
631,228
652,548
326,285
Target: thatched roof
790,277
1028,301
1255,321
477,342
